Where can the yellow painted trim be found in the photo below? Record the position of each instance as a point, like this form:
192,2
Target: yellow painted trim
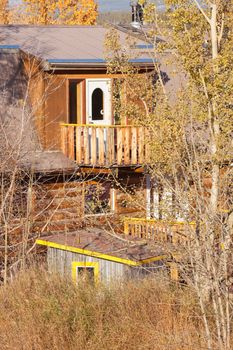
98,255
98,125
76,264
158,221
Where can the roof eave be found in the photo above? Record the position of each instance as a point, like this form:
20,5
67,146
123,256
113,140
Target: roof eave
101,64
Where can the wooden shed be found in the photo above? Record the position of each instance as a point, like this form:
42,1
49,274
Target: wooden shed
102,256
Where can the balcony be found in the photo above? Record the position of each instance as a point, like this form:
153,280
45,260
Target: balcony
177,233
105,145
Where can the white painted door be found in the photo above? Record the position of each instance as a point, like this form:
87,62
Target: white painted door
98,101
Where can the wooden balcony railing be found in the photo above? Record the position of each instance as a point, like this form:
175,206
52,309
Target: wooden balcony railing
176,233
94,145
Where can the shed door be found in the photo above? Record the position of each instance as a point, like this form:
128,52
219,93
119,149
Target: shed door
99,101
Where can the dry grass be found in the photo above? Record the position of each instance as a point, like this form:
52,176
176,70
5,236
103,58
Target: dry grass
40,311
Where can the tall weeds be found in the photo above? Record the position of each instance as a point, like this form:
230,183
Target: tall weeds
41,311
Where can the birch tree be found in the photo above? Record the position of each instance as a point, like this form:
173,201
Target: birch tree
191,140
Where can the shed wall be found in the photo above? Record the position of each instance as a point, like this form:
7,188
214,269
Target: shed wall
109,271
61,262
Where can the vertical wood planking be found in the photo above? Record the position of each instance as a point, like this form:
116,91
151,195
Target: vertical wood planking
71,142
147,145
101,146
126,228
86,145
64,139
141,158
127,134
110,146
79,143
119,146
134,146
93,147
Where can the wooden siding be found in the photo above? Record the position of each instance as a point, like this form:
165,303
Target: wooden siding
95,145
56,110
58,207
61,261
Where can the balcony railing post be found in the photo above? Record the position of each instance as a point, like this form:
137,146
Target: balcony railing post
157,230
104,145
64,142
71,142
119,145
79,136
86,145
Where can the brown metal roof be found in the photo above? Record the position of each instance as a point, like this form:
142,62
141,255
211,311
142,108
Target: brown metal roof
95,241
58,42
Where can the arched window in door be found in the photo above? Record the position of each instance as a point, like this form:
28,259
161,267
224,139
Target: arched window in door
97,104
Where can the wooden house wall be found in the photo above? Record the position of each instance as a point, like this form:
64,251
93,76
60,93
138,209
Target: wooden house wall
131,195
36,96
57,207
56,110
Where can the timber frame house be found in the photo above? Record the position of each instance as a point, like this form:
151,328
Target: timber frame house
85,168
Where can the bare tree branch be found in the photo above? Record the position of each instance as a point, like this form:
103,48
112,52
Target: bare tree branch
202,11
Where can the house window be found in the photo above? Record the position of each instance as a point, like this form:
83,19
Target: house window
97,101
97,198
85,271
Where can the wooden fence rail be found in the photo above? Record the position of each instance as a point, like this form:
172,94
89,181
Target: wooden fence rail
160,231
94,145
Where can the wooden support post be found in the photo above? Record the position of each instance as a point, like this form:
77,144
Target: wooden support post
113,199
134,146
141,155
79,136
71,142
93,147
64,131
155,202
174,273
101,146
126,227
127,136
148,198
110,146
119,146
86,145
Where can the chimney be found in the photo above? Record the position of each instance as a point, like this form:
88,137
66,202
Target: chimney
137,14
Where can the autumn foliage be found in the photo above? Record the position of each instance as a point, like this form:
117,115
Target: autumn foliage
3,12
61,11
45,12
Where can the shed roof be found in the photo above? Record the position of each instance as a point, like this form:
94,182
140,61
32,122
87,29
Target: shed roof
100,244
47,161
62,44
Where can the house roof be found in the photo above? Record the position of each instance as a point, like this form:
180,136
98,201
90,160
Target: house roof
72,45
47,161
100,244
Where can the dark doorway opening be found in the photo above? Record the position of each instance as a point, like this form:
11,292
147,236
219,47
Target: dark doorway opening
75,101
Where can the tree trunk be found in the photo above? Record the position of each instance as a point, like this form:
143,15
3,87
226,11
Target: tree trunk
214,122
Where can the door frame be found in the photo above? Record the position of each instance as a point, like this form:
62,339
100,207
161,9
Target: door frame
108,120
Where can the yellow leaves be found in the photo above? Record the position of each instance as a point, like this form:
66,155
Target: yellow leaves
71,12
3,12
